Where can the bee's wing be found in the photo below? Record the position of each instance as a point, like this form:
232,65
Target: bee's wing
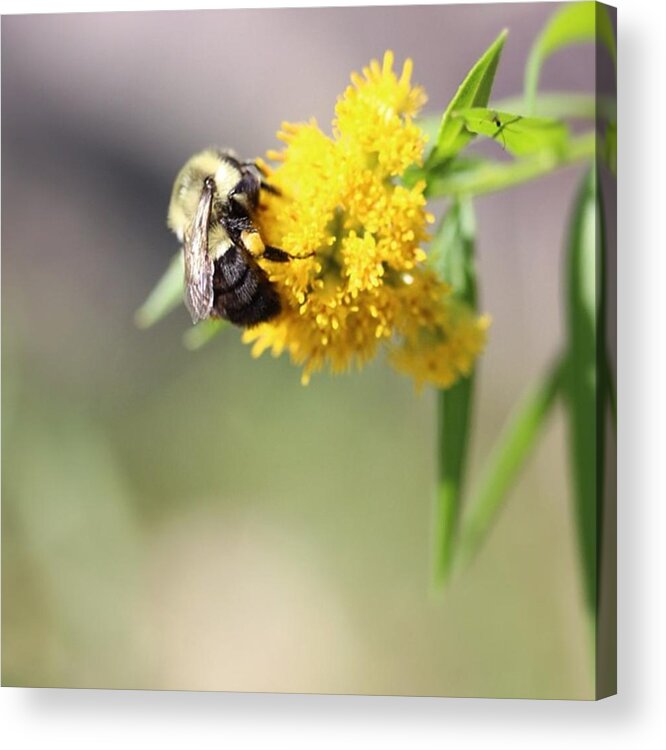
198,264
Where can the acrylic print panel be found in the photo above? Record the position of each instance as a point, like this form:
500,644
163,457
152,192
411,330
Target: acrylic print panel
415,494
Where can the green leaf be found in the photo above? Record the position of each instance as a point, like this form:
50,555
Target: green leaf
203,332
605,32
585,368
453,258
165,297
562,105
459,165
452,251
574,23
517,134
480,177
508,457
454,408
474,91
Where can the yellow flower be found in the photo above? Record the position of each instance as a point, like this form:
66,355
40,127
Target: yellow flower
442,337
367,283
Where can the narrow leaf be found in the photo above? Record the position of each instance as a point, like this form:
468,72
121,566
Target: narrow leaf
480,177
584,294
506,460
574,23
454,413
605,31
452,251
202,333
474,91
562,105
453,257
517,134
165,297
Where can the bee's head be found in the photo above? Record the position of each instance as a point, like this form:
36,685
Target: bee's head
245,192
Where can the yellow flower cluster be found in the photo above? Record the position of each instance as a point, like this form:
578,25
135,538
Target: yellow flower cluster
367,284
441,338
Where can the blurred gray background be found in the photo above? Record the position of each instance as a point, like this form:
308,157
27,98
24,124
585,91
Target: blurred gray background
200,520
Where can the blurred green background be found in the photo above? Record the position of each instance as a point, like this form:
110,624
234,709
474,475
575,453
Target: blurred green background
186,520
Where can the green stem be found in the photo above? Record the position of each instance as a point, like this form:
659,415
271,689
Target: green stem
454,250
508,457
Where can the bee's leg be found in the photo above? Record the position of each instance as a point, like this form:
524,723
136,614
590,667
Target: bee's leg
252,241
275,254
270,188
282,256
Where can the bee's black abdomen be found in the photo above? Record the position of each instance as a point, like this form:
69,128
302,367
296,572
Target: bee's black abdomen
243,293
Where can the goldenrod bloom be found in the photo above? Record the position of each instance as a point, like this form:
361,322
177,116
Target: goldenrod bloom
367,284
441,337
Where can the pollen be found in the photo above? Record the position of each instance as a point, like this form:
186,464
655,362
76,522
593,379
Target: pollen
253,242
368,284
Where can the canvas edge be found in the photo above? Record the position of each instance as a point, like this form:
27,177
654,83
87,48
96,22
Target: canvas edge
606,620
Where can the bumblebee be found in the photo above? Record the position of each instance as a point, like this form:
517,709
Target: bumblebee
213,202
